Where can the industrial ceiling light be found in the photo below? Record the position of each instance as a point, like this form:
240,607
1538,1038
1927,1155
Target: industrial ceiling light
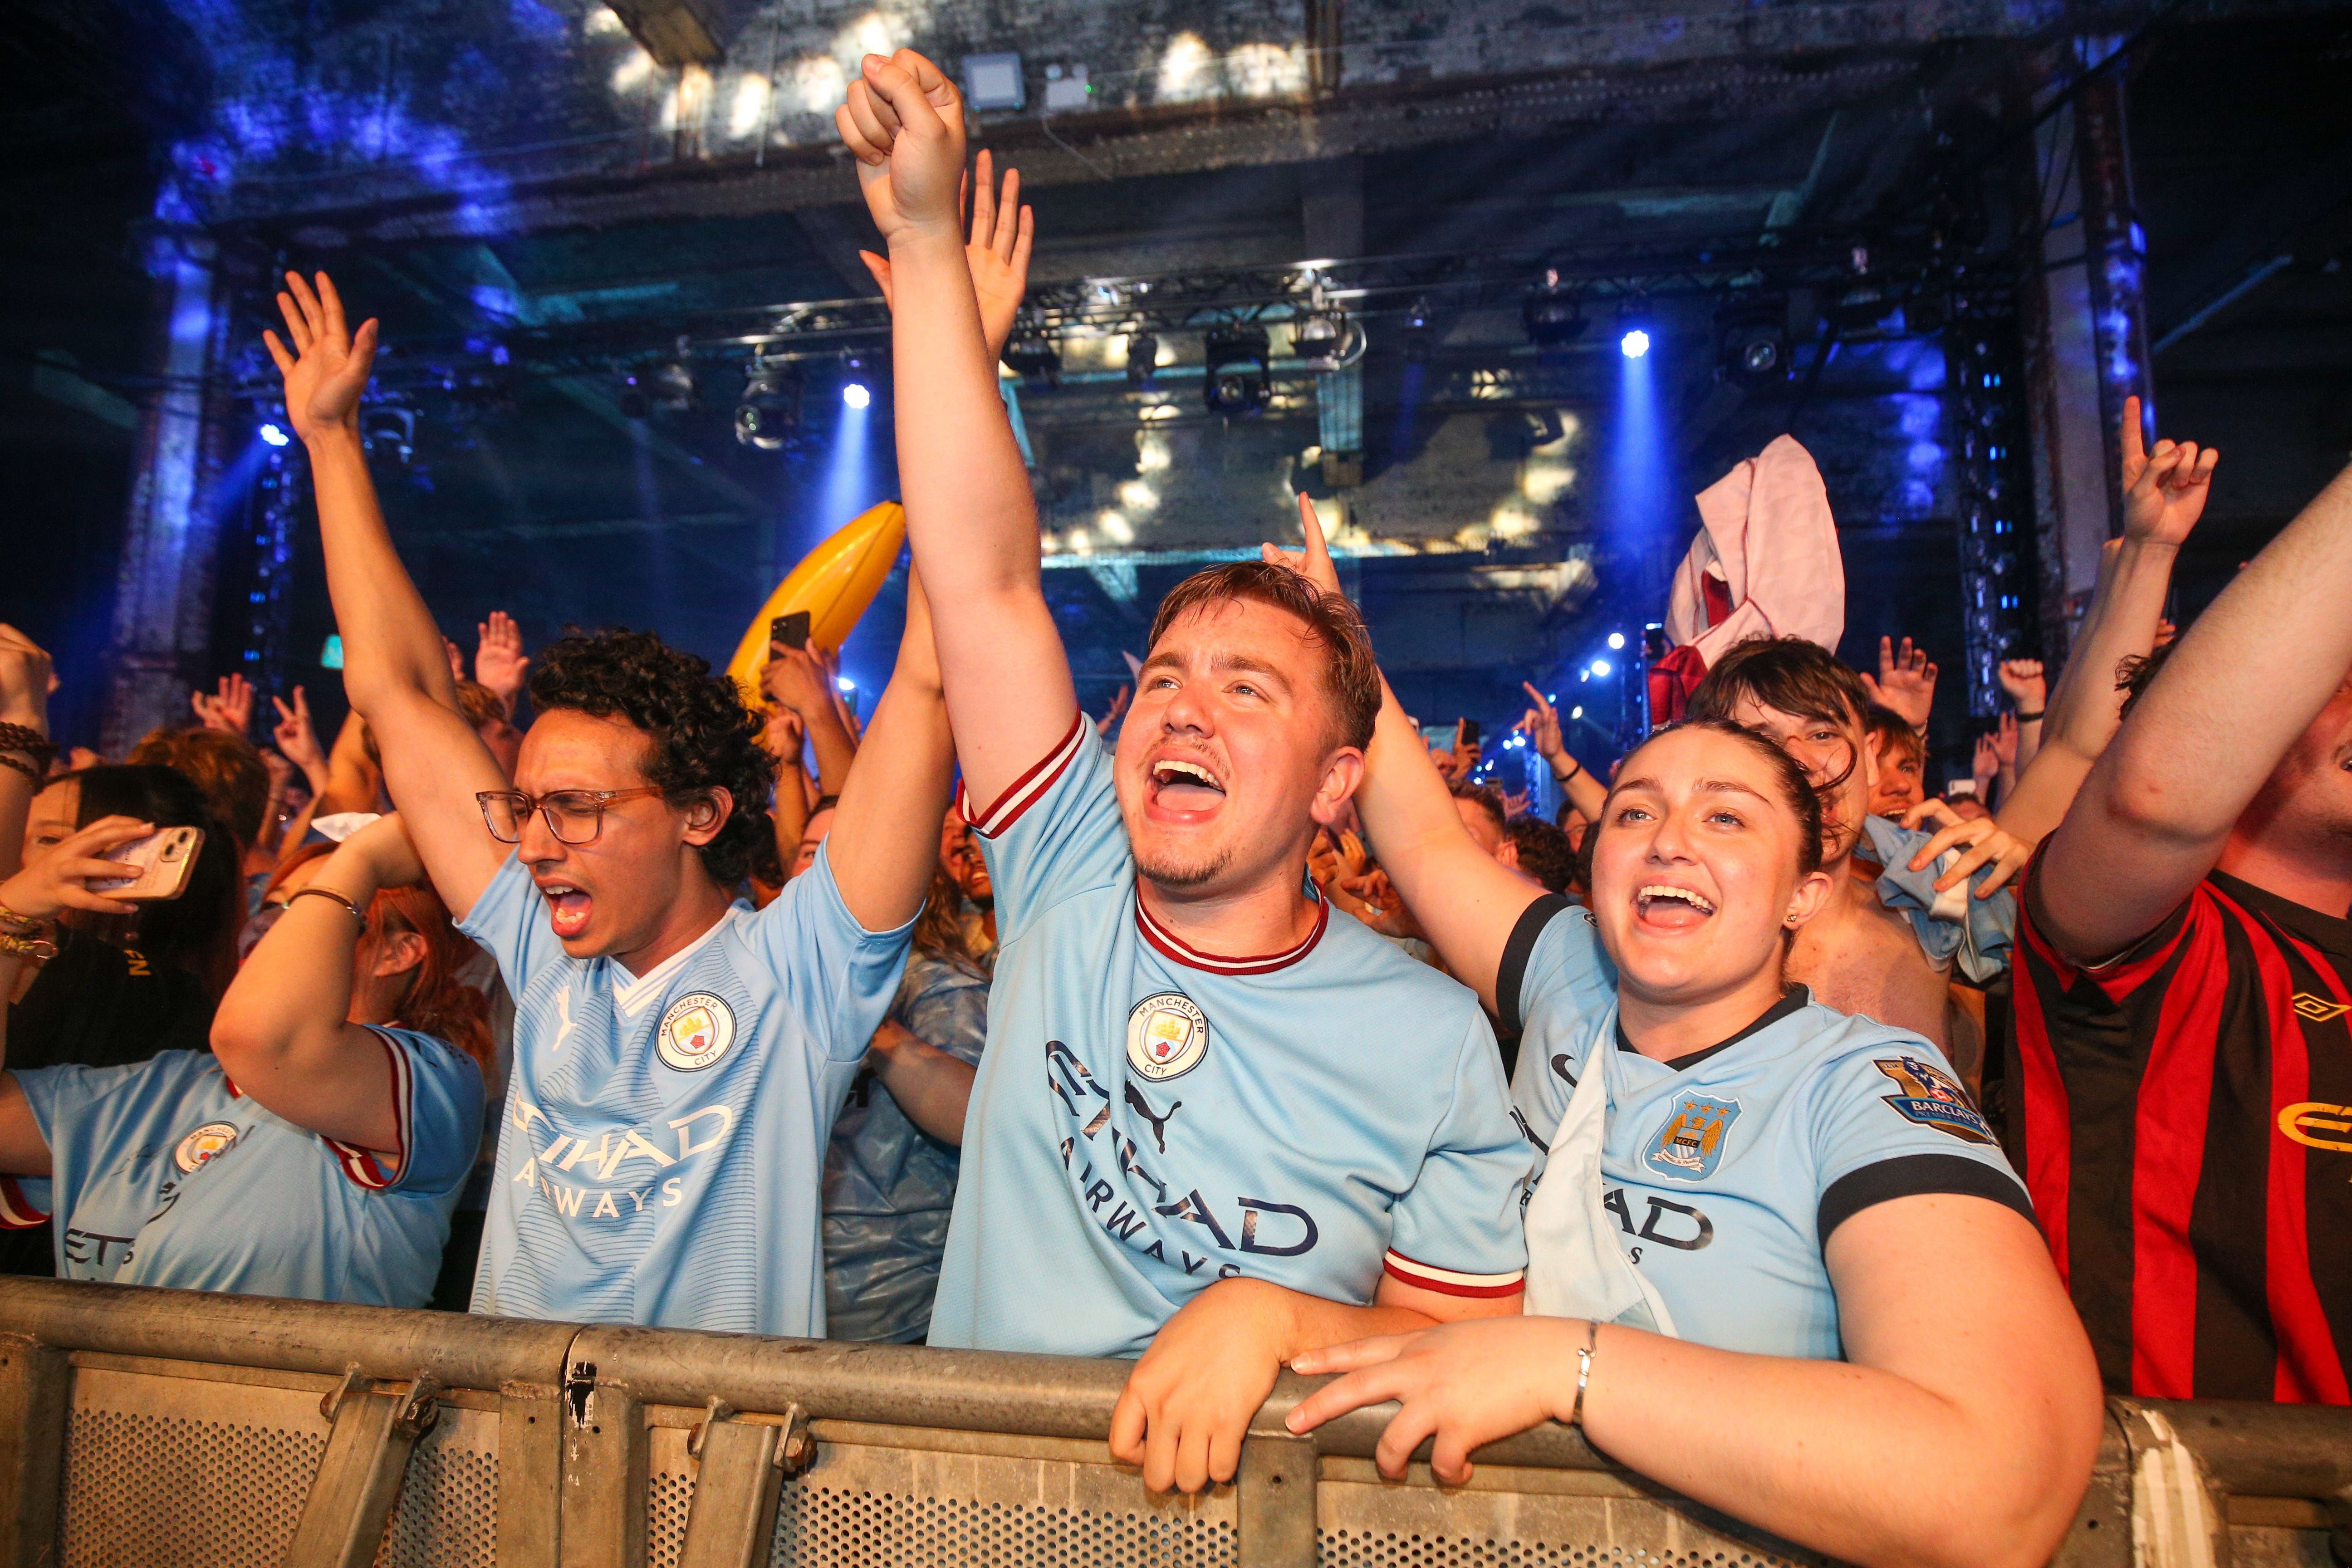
1553,316
769,413
1419,341
1752,342
1237,380
1033,356
672,384
389,429
1143,358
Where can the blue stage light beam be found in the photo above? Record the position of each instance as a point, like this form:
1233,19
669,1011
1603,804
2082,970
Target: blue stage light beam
1641,516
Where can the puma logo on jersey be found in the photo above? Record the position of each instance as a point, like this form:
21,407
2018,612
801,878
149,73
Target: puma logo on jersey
1158,1123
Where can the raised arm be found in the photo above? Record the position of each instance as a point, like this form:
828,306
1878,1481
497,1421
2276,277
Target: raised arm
1465,902
2164,495
1541,725
970,513
283,1032
2247,679
798,684
395,669
24,706
885,844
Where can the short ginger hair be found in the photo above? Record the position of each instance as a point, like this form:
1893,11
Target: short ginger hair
1351,677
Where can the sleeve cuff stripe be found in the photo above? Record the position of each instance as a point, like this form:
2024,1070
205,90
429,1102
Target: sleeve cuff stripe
1453,1282
16,1211
1918,1175
1024,791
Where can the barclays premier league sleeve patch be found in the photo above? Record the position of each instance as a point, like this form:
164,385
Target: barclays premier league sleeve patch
1930,1098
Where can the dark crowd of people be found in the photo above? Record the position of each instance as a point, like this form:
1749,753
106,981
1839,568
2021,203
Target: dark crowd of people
1887,1129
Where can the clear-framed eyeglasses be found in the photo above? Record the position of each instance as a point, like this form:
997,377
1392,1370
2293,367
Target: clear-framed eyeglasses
574,816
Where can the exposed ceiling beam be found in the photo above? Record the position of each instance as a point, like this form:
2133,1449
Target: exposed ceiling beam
1127,143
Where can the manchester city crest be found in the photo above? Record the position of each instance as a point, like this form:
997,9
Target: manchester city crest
1930,1098
695,1032
201,1145
1167,1035
1690,1146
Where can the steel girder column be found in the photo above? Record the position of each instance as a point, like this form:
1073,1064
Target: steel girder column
2115,253
163,592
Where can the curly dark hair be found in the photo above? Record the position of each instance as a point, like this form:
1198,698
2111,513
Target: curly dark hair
704,737
2134,673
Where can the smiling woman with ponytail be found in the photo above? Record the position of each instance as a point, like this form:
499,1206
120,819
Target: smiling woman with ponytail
1778,1218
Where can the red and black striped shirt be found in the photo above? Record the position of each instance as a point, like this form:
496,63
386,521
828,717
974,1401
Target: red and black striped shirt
2185,1127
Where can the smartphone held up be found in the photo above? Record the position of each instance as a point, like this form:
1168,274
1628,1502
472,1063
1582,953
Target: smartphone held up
158,865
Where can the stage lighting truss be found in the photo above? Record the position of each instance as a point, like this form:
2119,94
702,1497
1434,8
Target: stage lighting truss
1553,316
1033,356
1143,358
768,414
1334,309
1237,376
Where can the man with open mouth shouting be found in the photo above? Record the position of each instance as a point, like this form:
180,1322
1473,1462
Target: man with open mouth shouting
677,1059
1257,1129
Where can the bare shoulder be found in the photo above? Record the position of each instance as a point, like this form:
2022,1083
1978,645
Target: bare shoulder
1859,956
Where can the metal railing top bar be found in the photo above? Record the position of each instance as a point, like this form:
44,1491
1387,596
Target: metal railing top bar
2267,1450
970,1390
461,1351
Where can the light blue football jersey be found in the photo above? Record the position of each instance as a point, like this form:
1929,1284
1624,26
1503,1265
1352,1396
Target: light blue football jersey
1148,1118
664,1134
163,1173
1727,1169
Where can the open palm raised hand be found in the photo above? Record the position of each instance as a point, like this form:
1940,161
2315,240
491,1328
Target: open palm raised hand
328,367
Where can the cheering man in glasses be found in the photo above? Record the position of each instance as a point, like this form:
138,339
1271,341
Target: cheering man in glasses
677,1059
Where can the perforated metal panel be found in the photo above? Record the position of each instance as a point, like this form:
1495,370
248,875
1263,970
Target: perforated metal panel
173,1471
169,1471
1600,1523
875,1506
449,1512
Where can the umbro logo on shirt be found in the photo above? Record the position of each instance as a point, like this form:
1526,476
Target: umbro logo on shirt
2320,1009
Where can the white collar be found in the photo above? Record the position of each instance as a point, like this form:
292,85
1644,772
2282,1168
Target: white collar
633,994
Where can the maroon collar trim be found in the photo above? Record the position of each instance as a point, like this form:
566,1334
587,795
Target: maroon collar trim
1170,946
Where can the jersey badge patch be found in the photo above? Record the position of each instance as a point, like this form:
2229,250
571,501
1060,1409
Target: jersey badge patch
1931,1099
696,1032
1167,1035
211,1138
1690,1146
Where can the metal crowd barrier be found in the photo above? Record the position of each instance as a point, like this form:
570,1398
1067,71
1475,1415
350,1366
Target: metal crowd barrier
143,1426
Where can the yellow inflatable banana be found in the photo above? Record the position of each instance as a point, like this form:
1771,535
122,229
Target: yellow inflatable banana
834,582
